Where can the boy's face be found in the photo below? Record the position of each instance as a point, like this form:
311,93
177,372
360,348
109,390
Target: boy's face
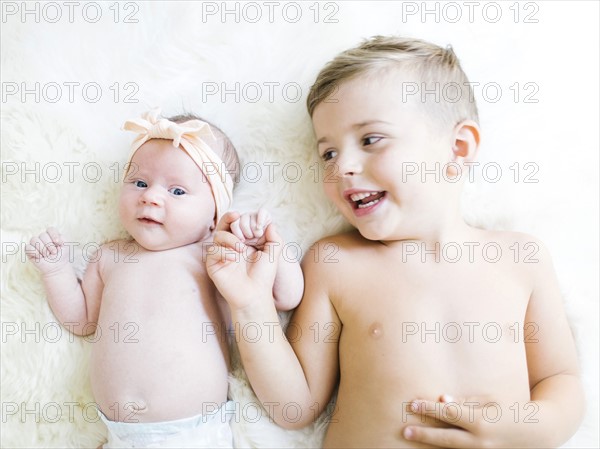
372,143
166,202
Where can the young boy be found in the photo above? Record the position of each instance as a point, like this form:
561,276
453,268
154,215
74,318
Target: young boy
413,303
160,357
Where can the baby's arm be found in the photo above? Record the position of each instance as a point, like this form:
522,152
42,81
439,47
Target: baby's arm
300,369
557,404
74,304
289,281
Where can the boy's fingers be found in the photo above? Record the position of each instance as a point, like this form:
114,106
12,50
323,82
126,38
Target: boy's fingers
226,220
472,401
273,242
441,411
449,412
228,240
435,436
219,253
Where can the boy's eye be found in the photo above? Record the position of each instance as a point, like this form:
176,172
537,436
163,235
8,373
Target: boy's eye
370,140
140,183
329,154
177,191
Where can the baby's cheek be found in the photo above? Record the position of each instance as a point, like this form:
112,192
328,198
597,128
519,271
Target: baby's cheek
125,208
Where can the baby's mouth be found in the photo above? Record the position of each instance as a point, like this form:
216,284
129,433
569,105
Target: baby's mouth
365,199
148,220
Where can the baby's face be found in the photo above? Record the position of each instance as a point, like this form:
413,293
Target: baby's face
166,202
372,143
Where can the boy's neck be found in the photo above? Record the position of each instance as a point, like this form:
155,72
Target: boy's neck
431,234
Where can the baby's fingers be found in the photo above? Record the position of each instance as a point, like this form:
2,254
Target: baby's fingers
56,236
50,245
247,226
41,247
263,219
33,251
236,230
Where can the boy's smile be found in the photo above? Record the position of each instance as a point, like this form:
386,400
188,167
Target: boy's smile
363,202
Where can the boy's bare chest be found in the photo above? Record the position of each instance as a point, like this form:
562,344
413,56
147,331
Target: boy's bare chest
431,304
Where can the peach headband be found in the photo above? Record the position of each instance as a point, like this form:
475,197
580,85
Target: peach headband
190,135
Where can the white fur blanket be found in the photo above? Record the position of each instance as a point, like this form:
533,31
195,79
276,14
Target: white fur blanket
73,72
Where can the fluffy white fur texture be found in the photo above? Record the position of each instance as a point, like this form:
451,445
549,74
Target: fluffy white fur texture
173,56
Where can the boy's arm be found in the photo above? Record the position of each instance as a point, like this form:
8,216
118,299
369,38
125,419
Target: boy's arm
284,376
74,303
552,359
557,403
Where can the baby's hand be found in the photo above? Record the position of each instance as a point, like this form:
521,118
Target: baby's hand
250,228
47,251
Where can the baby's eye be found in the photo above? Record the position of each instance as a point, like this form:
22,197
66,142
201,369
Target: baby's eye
329,154
177,191
140,183
370,140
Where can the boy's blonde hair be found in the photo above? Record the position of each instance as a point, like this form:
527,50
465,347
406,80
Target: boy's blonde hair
443,89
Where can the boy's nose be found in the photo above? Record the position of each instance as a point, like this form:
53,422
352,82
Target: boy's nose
349,165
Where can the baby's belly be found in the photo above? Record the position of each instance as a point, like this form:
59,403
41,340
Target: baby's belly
158,368
381,376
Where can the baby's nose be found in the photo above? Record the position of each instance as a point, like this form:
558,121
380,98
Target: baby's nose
151,196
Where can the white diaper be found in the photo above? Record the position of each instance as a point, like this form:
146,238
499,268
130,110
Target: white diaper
201,431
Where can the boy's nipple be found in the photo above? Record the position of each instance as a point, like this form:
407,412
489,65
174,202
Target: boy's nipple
376,330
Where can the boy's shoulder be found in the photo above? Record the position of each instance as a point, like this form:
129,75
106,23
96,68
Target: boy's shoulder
512,239
524,252
339,247
505,237
336,257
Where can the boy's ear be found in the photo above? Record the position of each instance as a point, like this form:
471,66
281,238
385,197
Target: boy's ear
466,141
464,146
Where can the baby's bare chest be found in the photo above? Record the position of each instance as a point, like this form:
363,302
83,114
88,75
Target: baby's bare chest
157,285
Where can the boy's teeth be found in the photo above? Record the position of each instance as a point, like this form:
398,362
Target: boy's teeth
369,204
360,196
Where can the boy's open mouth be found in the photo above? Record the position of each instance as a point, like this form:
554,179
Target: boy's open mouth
363,200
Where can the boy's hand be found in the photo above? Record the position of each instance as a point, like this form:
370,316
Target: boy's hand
250,228
242,274
478,422
47,251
